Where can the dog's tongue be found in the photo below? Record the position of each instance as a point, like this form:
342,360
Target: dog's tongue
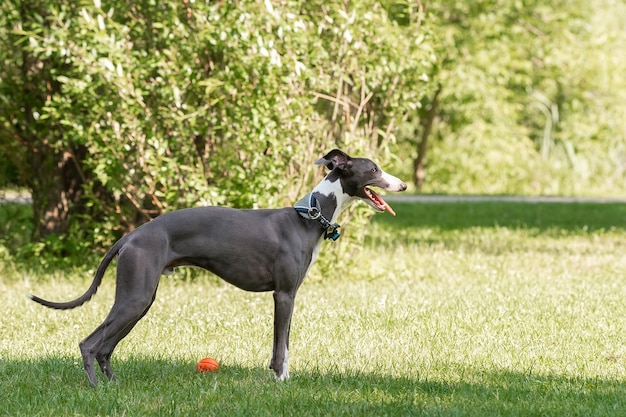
388,208
378,200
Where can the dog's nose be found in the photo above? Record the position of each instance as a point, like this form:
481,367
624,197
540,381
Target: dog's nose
403,186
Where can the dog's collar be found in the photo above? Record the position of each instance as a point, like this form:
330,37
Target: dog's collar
309,208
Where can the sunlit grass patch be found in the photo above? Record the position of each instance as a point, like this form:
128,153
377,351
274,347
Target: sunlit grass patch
446,310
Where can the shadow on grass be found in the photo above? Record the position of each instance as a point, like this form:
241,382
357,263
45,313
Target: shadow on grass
58,386
568,217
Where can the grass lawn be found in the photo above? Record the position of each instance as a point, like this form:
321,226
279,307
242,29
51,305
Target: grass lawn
462,309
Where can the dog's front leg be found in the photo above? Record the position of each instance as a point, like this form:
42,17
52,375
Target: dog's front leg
283,308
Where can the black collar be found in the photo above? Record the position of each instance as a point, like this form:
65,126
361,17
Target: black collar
309,208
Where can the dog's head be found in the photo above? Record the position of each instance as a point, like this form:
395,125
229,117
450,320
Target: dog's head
357,175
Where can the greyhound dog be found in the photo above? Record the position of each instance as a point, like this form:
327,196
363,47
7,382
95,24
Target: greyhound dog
255,250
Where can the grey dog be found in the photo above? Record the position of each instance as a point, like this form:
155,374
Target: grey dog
255,250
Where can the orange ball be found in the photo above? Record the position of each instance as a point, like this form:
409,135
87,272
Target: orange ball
208,365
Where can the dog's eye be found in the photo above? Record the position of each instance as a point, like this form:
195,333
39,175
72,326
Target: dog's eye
374,170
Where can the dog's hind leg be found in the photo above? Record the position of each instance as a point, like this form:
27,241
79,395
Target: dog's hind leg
103,356
135,292
88,353
100,344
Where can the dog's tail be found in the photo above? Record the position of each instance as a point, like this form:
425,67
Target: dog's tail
97,280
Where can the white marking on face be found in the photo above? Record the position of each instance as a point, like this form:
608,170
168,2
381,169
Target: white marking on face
395,184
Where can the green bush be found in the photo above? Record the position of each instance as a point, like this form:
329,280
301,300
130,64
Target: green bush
158,106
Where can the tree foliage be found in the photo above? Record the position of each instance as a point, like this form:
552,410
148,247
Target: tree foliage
156,106
532,94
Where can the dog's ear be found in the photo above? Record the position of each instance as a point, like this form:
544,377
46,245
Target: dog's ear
335,159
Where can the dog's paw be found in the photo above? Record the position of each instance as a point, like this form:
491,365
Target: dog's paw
283,376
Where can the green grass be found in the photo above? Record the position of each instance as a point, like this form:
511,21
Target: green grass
448,310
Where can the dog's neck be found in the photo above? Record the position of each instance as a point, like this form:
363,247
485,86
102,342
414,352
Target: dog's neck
323,205
333,200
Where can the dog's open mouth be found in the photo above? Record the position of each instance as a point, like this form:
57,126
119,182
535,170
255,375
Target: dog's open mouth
378,201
